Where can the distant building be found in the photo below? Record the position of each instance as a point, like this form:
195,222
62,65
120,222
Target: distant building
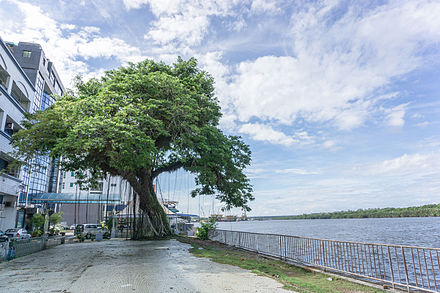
17,93
91,205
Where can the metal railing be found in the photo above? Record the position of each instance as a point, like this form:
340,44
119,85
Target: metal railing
404,267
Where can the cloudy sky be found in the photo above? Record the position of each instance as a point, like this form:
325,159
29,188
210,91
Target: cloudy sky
339,100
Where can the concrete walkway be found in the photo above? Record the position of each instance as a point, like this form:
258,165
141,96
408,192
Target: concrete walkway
126,266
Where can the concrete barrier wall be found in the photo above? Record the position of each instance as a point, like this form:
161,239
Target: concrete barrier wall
13,249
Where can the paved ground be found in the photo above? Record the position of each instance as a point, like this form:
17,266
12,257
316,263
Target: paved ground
126,266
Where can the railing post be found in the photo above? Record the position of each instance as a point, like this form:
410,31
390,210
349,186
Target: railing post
406,269
281,253
391,266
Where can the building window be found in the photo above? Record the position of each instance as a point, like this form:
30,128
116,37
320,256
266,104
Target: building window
27,54
64,185
21,97
11,126
72,174
113,185
4,77
5,167
71,184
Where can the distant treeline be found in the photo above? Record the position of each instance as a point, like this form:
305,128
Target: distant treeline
430,210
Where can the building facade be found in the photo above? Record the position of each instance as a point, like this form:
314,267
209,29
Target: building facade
41,174
17,93
91,205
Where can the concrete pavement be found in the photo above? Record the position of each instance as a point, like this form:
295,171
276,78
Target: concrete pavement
126,266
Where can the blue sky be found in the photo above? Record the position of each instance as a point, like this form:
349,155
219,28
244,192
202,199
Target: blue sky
339,100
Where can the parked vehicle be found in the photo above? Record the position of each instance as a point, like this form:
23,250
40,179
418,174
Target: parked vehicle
86,230
3,237
17,233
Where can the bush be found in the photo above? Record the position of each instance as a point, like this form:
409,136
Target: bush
36,233
38,221
203,230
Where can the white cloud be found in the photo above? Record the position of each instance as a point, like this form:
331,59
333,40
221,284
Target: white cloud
414,164
65,44
329,144
396,116
182,22
266,6
337,66
264,132
296,171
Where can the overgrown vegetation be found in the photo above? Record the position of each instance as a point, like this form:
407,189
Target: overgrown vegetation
293,278
205,227
430,210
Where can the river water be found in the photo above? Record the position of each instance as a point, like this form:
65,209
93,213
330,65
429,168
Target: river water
423,232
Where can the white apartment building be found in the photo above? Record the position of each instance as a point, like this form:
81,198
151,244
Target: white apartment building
17,95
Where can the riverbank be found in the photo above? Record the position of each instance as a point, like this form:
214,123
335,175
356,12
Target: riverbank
430,210
291,277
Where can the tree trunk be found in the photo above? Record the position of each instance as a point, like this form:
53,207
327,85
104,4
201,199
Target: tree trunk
152,220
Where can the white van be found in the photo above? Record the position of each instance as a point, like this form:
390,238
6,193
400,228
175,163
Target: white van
86,230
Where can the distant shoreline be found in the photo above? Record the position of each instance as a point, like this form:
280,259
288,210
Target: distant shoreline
430,210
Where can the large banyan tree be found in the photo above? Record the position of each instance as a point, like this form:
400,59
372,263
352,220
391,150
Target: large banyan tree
138,122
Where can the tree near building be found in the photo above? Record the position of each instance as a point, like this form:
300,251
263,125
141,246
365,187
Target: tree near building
138,122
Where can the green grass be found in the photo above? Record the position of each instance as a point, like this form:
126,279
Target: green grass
293,278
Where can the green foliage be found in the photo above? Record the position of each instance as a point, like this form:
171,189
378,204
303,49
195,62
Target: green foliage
205,227
109,223
55,218
430,210
36,233
148,117
38,222
80,237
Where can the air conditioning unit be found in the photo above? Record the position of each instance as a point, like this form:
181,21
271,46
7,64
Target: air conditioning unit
9,128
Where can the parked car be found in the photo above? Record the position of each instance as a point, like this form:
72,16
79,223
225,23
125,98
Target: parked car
3,237
17,233
86,230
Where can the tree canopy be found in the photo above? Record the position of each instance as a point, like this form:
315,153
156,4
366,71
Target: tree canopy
137,122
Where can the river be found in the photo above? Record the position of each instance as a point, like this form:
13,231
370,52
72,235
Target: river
405,231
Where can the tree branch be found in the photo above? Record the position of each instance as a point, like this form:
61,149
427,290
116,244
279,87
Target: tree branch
167,168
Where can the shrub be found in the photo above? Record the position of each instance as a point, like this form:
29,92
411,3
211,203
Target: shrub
38,221
203,230
36,233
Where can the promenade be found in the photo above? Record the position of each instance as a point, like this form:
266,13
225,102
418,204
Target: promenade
126,266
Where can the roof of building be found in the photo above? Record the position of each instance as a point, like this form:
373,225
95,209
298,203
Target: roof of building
75,198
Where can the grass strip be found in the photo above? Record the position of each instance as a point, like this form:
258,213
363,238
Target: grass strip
292,277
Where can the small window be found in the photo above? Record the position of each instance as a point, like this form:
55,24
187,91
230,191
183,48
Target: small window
113,185
71,184
64,185
27,54
72,174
